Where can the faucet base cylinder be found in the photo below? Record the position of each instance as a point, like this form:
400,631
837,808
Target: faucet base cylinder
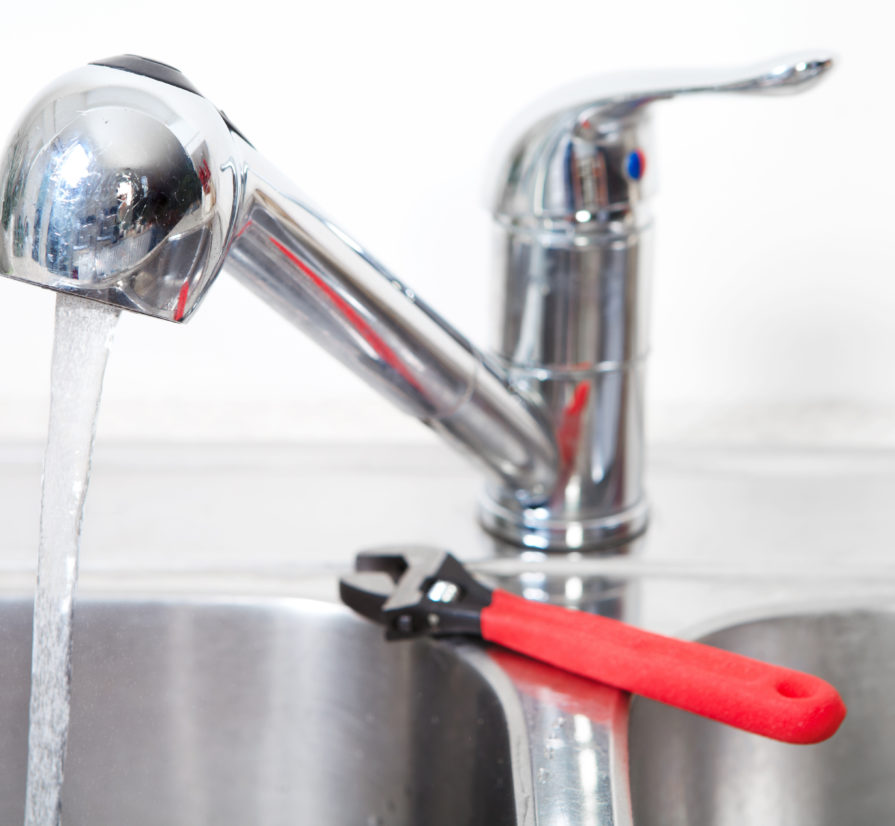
540,529
573,335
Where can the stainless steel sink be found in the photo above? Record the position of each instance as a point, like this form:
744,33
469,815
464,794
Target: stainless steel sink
285,711
269,710
262,713
689,771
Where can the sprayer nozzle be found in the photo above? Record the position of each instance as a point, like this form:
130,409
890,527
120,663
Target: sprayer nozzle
119,187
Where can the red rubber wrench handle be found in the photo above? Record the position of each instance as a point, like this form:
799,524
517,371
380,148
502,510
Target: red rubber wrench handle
749,694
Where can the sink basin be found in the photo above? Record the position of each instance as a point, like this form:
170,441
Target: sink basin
247,713
690,771
284,711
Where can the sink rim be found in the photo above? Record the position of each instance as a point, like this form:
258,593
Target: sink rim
788,608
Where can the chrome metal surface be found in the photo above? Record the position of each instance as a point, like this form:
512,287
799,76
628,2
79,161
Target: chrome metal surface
329,286
290,711
573,248
136,191
132,191
567,153
694,773
118,193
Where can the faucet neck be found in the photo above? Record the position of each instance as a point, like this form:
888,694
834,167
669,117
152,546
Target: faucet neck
328,285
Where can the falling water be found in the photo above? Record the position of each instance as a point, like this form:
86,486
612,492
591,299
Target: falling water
80,350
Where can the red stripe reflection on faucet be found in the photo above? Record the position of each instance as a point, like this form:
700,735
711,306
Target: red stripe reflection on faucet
245,226
568,431
353,318
181,301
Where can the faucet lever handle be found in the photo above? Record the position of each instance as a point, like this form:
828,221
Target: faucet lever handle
786,74
580,152
618,96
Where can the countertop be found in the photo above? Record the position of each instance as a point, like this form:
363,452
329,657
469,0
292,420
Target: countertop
733,531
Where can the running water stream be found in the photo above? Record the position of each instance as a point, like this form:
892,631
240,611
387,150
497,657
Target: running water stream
80,350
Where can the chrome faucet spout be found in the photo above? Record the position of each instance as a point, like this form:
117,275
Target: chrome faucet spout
123,184
327,284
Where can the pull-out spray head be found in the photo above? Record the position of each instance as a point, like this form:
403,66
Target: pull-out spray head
120,184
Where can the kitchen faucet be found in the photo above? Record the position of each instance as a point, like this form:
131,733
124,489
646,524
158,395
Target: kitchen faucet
123,184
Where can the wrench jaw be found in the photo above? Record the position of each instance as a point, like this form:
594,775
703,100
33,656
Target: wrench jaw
416,591
366,593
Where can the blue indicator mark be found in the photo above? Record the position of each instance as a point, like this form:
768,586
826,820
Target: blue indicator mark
635,165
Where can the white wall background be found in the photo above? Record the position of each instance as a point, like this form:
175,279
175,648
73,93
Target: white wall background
775,265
